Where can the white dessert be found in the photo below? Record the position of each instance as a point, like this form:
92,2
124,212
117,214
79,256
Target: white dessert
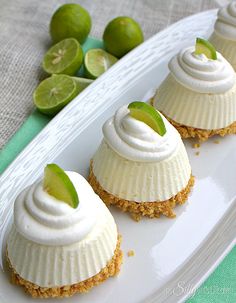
52,244
135,163
224,35
198,92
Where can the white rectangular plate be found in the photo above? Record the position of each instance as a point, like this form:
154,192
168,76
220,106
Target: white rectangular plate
168,252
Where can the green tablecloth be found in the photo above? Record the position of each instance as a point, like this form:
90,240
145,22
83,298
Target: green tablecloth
220,287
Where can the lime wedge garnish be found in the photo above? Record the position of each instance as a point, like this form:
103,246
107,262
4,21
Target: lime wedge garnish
54,93
64,57
205,47
57,184
149,115
97,61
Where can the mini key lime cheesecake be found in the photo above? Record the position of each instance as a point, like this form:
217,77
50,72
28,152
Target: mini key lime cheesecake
141,165
199,95
64,239
224,34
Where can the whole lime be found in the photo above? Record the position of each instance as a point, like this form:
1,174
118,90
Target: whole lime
70,21
121,35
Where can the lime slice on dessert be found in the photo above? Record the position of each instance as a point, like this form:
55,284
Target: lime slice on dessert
97,61
57,184
65,57
205,47
149,115
54,93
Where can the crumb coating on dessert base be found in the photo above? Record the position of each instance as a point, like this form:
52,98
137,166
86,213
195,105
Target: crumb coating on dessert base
198,133
202,134
138,209
112,269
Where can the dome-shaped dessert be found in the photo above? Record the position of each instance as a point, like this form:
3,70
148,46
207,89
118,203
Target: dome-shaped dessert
224,34
199,95
55,250
139,170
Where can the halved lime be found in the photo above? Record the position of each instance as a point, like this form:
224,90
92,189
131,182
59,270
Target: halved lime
97,61
54,93
64,57
149,115
205,47
81,83
57,184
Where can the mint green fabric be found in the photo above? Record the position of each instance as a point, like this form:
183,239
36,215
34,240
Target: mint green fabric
30,128
220,287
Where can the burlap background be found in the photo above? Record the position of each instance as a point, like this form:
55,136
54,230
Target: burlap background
24,39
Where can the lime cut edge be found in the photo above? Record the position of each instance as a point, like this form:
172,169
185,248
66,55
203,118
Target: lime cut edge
97,61
149,115
58,184
203,46
53,93
65,57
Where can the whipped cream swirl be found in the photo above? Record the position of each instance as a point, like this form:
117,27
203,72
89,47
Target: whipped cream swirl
136,141
43,219
201,74
226,21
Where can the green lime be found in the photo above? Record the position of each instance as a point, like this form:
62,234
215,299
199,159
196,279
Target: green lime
54,93
65,57
121,35
205,47
70,21
97,61
81,83
57,184
149,115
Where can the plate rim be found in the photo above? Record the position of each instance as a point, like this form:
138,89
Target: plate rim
101,85
197,274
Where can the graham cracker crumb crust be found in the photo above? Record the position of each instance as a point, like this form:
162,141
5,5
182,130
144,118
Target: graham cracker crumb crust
112,269
201,134
149,209
130,253
196,145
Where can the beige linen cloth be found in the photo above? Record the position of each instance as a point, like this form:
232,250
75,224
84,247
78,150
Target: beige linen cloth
24,39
